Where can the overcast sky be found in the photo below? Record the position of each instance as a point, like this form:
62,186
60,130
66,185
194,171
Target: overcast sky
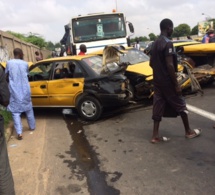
48,17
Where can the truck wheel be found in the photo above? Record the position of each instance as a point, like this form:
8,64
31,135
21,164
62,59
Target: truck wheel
89,108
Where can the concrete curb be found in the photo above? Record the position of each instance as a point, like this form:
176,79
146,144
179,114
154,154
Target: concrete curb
9,131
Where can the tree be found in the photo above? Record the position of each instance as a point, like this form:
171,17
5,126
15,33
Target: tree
36,40
17,35
31,38
50,45
143,38
181,30
133,40
57,45
194,30
152,36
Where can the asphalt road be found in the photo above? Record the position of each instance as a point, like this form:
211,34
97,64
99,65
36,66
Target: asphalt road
114,155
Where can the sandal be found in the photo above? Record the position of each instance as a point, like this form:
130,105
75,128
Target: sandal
196,133
160,139
19,137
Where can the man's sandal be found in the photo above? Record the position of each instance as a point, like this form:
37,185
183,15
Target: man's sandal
19,137
159,140
196,133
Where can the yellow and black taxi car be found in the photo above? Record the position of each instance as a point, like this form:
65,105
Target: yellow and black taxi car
80,82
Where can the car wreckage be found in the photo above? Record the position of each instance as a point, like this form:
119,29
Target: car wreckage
139,72
200,58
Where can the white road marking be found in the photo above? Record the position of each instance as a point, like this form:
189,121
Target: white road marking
201,112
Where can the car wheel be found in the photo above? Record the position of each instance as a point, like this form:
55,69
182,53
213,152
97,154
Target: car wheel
89,108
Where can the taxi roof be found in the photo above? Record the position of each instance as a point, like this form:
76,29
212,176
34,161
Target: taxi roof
200,48
183,43
76,57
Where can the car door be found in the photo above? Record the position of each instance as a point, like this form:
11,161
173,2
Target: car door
38,78
64,86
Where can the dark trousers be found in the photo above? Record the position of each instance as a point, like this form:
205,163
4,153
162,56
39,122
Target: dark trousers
6,178
165,98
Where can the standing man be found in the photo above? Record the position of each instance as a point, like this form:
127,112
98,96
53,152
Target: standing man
83,49
6,178
137,44
63,51
211,36
205,38
39,56
167,91
20,94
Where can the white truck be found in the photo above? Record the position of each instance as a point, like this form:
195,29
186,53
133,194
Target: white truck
96,31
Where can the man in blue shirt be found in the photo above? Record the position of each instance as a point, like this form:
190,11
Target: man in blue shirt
20,94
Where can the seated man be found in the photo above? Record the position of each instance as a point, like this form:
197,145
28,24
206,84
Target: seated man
64,73
71,69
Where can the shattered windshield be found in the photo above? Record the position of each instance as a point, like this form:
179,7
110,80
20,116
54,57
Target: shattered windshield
95,62
134,56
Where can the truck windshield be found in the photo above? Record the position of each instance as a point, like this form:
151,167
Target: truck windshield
99,27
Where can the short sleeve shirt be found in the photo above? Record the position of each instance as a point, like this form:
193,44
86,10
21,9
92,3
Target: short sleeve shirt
161,48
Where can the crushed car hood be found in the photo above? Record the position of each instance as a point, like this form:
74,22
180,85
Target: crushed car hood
138,68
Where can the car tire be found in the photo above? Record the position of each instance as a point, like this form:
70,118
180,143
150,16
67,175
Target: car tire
89,108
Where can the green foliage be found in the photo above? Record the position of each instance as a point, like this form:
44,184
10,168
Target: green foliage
143,38
35,39
50,45
152,36
18,35
194,30
140,39
181,30
57,45
6,115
